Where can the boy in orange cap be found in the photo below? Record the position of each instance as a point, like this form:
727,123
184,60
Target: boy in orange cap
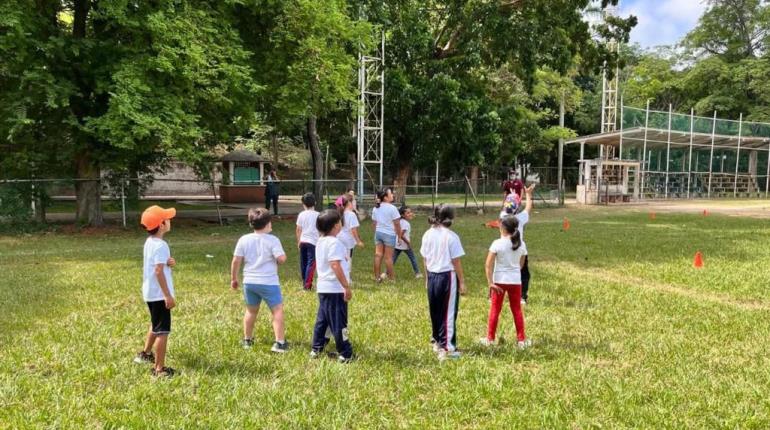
157,288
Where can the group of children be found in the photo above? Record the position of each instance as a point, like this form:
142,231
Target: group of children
326,241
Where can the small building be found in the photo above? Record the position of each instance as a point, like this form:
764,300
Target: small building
245,173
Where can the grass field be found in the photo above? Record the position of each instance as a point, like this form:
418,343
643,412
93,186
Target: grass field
627,334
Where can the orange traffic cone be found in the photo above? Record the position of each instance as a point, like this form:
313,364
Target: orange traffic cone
705,212
652,215
697,262
565,224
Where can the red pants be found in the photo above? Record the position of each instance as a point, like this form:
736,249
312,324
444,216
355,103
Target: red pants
514,299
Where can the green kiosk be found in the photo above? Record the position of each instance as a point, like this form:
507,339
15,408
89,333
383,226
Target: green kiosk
244,172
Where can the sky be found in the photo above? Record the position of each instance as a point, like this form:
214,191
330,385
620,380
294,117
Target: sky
662,22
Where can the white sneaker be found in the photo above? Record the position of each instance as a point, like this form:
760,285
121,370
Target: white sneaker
383,277
435,346
485,341
418,276
524,344
523,302
314,354
449,355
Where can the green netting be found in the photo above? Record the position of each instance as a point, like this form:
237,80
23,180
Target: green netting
634,117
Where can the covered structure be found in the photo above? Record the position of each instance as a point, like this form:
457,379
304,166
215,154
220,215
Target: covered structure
245,172
683,156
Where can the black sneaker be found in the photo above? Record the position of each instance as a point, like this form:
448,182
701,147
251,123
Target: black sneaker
144,357
247,343
280,347
166,372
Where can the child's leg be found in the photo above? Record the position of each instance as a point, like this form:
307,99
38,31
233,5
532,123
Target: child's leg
338,320
388,256
514,296
436,302
413,260
442,300
149,341
525,279
321,324
161,342
249,316
278,326
302,262
310,269
453,306
396,253
378,252
495,305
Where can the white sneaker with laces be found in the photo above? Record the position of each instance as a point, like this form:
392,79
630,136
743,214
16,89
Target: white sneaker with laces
452,355
485,341
524,344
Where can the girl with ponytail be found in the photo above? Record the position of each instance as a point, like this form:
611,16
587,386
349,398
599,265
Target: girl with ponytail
387,233
441,251
503,269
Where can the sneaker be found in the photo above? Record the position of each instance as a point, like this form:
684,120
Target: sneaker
485,341
383,277
280,347
165,372
247,343
418,276
314,354
524,344
435,346
345,360
449,355
523,302
144,357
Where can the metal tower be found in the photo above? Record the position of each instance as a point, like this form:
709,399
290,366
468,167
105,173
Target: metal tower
610,95
371,115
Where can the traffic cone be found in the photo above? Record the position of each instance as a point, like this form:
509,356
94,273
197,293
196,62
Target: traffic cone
652,215
697,262
565,224
705,212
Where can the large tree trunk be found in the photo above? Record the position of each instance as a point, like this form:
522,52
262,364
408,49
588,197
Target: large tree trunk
401,179
316,156
88,193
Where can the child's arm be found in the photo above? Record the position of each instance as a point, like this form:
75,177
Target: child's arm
528,201
354,232
281,259
298,233
489,267
337,268
235,267
170,302
521,260
397,228
460,276
405,240
425,268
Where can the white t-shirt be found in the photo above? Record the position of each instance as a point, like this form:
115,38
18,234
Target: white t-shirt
384,216
507,269
156,251
440,246
260,252
306,221
329,249
406,228
345,235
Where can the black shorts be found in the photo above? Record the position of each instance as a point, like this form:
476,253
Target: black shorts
160,317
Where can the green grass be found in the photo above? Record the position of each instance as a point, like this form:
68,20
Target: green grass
627,334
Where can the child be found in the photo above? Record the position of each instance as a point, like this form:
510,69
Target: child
349,234
405,244
157,288
333,288
307,235
523,218
503,268
387,233
261,252
441,251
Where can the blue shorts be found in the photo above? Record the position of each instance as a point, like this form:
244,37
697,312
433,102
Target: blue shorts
253,294
385,239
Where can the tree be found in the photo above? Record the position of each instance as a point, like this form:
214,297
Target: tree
118,83
732,30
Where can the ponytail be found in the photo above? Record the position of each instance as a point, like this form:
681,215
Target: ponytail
380,196
442,215
511,226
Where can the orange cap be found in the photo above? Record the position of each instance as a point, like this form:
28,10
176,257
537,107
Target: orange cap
154,216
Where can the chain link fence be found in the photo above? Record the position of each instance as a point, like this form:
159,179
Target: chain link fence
122,199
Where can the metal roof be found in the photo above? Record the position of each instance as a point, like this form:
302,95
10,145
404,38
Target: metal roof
244,155
656,138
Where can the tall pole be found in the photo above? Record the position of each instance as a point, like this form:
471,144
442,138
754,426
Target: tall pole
668,147
738,154
767,175
360,125
711,157
382,103
561,150
689,162
435,184
620,156
644,146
